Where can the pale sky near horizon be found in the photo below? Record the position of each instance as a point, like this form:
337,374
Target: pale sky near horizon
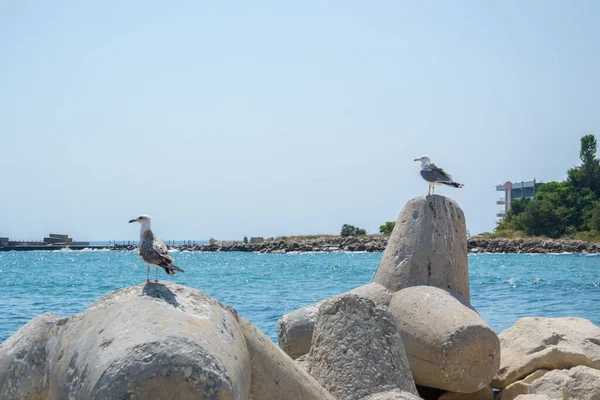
274,118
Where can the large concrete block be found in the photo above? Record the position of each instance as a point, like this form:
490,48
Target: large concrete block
150,341
274,374
357,350
295,329
427,247
449,346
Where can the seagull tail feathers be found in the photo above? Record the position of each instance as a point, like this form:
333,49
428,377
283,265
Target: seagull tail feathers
170,270
455,184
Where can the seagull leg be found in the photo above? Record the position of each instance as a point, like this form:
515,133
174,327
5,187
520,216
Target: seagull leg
433,187
156,280
148,274
429,191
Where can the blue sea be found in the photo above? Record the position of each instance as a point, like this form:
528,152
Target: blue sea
262,287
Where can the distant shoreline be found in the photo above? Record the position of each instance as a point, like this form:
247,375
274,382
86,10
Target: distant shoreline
377,243
368,243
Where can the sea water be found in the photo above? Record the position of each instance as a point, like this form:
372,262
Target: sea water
263,287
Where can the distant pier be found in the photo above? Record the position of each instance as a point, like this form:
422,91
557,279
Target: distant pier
53,241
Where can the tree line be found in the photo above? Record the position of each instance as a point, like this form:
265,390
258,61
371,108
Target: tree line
567,208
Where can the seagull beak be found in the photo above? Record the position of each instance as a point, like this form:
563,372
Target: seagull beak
417,159
133,220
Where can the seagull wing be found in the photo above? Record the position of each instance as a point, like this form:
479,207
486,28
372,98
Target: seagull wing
445,176
162,251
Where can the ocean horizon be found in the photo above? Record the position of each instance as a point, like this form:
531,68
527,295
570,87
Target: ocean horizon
263,287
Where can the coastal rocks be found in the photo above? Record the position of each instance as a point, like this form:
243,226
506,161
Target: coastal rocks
531,245
295,329
368,243
23,359
149,341
578,383
546,343
274,374
356,349
449,346
427,247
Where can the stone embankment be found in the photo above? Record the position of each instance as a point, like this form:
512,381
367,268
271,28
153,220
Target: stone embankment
531,245
378,243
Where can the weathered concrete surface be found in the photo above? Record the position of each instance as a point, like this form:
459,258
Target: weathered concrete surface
533,397
274,374
23,359
150,341
392,395
515,389
546,343
484,394
578,383
295,329
357,350
449,346
427,247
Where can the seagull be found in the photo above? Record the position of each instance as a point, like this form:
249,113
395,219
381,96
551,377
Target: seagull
152,250
435,175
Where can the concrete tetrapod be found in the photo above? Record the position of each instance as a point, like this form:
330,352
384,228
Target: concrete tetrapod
427,247
151,341
295,329
448,345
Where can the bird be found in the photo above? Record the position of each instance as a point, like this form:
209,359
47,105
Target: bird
152,250
435,175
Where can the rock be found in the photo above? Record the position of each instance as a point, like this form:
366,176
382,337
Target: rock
356,349
427,247
532,397
550,343
577,383
392,395
150,341
295,329
302,362
515,389
484,394
274,374
449,346
532,377
23,359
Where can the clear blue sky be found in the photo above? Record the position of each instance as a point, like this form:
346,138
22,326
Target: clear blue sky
276,118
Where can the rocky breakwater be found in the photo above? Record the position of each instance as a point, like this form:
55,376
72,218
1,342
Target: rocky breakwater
369,243
531,245
422,283
152,341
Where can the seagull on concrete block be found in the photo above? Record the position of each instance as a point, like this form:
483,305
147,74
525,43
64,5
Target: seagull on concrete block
435,175
152,250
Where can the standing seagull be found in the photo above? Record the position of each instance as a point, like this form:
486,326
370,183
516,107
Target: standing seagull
434,175
152,250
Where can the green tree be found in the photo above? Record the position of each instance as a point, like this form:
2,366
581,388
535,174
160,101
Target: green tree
351,230
387,228
587,175
594,216
560,208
